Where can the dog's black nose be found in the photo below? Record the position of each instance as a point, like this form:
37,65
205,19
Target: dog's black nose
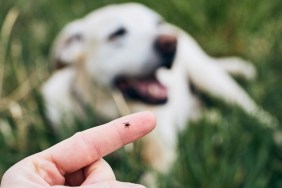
166,46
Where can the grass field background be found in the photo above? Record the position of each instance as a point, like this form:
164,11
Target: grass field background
232,151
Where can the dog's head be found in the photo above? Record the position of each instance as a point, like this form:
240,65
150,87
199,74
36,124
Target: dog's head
120,46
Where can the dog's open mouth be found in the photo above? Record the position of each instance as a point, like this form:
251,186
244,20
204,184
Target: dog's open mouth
148,90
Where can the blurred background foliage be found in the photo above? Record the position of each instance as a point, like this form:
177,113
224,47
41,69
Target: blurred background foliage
225,149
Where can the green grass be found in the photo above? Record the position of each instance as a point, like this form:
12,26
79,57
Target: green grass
232,151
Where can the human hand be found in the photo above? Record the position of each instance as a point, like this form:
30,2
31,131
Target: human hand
78,160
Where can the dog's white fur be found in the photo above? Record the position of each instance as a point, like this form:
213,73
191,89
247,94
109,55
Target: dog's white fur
93,62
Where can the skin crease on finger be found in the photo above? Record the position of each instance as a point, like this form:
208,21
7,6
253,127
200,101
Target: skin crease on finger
80,156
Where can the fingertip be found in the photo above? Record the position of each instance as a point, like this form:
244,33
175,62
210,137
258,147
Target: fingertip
151,118
135,126
146,121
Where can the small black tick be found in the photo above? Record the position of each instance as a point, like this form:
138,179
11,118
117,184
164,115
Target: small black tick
126,124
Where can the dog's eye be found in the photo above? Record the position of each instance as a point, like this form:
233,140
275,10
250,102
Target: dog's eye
118,33
160,22
75,38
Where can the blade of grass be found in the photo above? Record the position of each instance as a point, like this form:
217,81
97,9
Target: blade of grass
6,30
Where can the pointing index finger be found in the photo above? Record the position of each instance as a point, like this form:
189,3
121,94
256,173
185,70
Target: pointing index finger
85,147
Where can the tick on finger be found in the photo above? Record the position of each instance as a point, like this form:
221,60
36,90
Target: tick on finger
126,124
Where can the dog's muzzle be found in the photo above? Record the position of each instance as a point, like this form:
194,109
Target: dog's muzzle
148,89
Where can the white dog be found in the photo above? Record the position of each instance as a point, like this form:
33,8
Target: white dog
124,58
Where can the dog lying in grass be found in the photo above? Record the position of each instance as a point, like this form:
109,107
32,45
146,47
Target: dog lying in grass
126,58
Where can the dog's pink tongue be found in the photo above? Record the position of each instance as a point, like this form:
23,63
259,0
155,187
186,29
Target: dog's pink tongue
152,88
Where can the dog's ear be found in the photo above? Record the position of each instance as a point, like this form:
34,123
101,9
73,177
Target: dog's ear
68,47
